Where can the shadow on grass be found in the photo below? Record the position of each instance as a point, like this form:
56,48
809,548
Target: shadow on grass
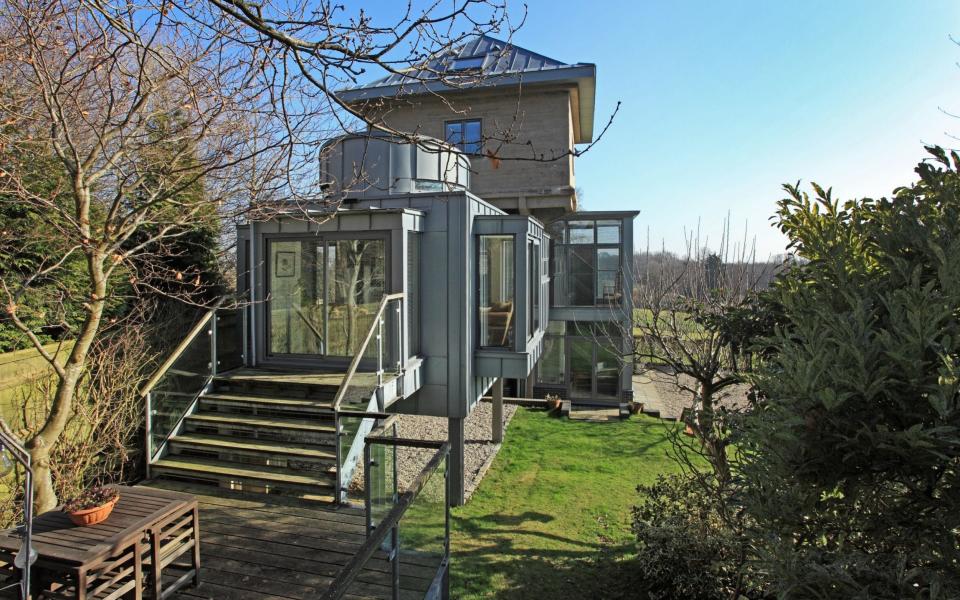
595,572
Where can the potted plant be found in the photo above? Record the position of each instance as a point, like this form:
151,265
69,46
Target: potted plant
553,401
92,506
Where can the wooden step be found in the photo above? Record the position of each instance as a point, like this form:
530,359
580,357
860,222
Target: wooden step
253,404
283,385
248,478
265,448
249,421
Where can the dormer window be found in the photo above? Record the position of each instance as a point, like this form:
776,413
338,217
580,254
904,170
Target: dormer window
465,135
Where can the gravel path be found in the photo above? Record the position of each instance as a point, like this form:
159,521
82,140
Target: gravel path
658,391
478,453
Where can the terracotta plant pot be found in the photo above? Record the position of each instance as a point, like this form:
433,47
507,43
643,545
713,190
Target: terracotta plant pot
554,403
92,516
636,407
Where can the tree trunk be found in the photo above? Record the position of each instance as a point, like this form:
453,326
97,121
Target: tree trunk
716,446
41,445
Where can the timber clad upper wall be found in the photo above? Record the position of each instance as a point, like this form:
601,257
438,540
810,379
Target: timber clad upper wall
537,122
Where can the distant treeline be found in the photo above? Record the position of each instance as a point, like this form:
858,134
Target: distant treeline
695,276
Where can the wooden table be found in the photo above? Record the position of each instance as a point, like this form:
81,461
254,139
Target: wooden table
106,560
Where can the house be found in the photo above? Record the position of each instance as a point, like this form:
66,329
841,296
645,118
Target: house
449,269
517,114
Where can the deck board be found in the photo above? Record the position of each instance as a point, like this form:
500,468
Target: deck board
257,547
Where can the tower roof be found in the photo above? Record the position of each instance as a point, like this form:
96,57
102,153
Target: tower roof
485,63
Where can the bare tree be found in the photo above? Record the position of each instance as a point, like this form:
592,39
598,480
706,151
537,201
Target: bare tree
150,128
693,318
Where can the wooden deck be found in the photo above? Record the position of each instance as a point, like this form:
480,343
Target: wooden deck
260,547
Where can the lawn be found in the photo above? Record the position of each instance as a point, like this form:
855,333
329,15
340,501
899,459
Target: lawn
552,516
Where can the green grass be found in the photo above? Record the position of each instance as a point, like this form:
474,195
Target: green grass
552,517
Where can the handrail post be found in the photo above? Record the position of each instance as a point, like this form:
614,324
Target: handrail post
395,542
400,340
380,321
367,479
213,342
338,433
396,482
148,430
445,592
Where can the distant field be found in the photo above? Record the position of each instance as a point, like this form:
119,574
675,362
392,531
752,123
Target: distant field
17,370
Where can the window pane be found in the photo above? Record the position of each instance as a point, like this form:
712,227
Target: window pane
296,290
581,276
454,133
581,368
552,361
608,370
608,287
556,327
606,329
608,259
413,291
608,234
497,301
580,232
472,137
355,282
534,260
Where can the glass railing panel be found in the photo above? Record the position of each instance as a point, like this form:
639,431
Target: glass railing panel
350,453
406,553
229,339
423,535
381,477
379,359
179,386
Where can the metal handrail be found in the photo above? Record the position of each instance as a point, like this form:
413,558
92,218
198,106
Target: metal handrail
355,362
388,525
180,349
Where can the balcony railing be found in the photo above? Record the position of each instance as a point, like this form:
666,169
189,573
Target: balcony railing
412,527
381,354
214,344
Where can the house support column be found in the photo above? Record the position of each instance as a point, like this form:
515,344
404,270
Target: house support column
456,437
496,432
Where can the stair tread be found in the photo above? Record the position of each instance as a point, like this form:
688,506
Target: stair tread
321,380
278,422
267,446
220,468
253,399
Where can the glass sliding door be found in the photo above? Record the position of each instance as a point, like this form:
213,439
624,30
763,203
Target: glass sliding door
581,368
594,364
295,304
355,283
322,295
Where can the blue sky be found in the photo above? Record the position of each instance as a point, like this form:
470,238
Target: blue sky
725,101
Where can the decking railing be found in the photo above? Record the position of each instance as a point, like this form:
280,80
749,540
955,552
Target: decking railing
214,344
383,348
411,527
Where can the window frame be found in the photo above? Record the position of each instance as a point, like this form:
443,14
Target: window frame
561,288
463,144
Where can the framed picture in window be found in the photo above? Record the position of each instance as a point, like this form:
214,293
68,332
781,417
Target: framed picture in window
285,264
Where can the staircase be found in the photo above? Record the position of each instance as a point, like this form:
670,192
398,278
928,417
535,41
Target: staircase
252,433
